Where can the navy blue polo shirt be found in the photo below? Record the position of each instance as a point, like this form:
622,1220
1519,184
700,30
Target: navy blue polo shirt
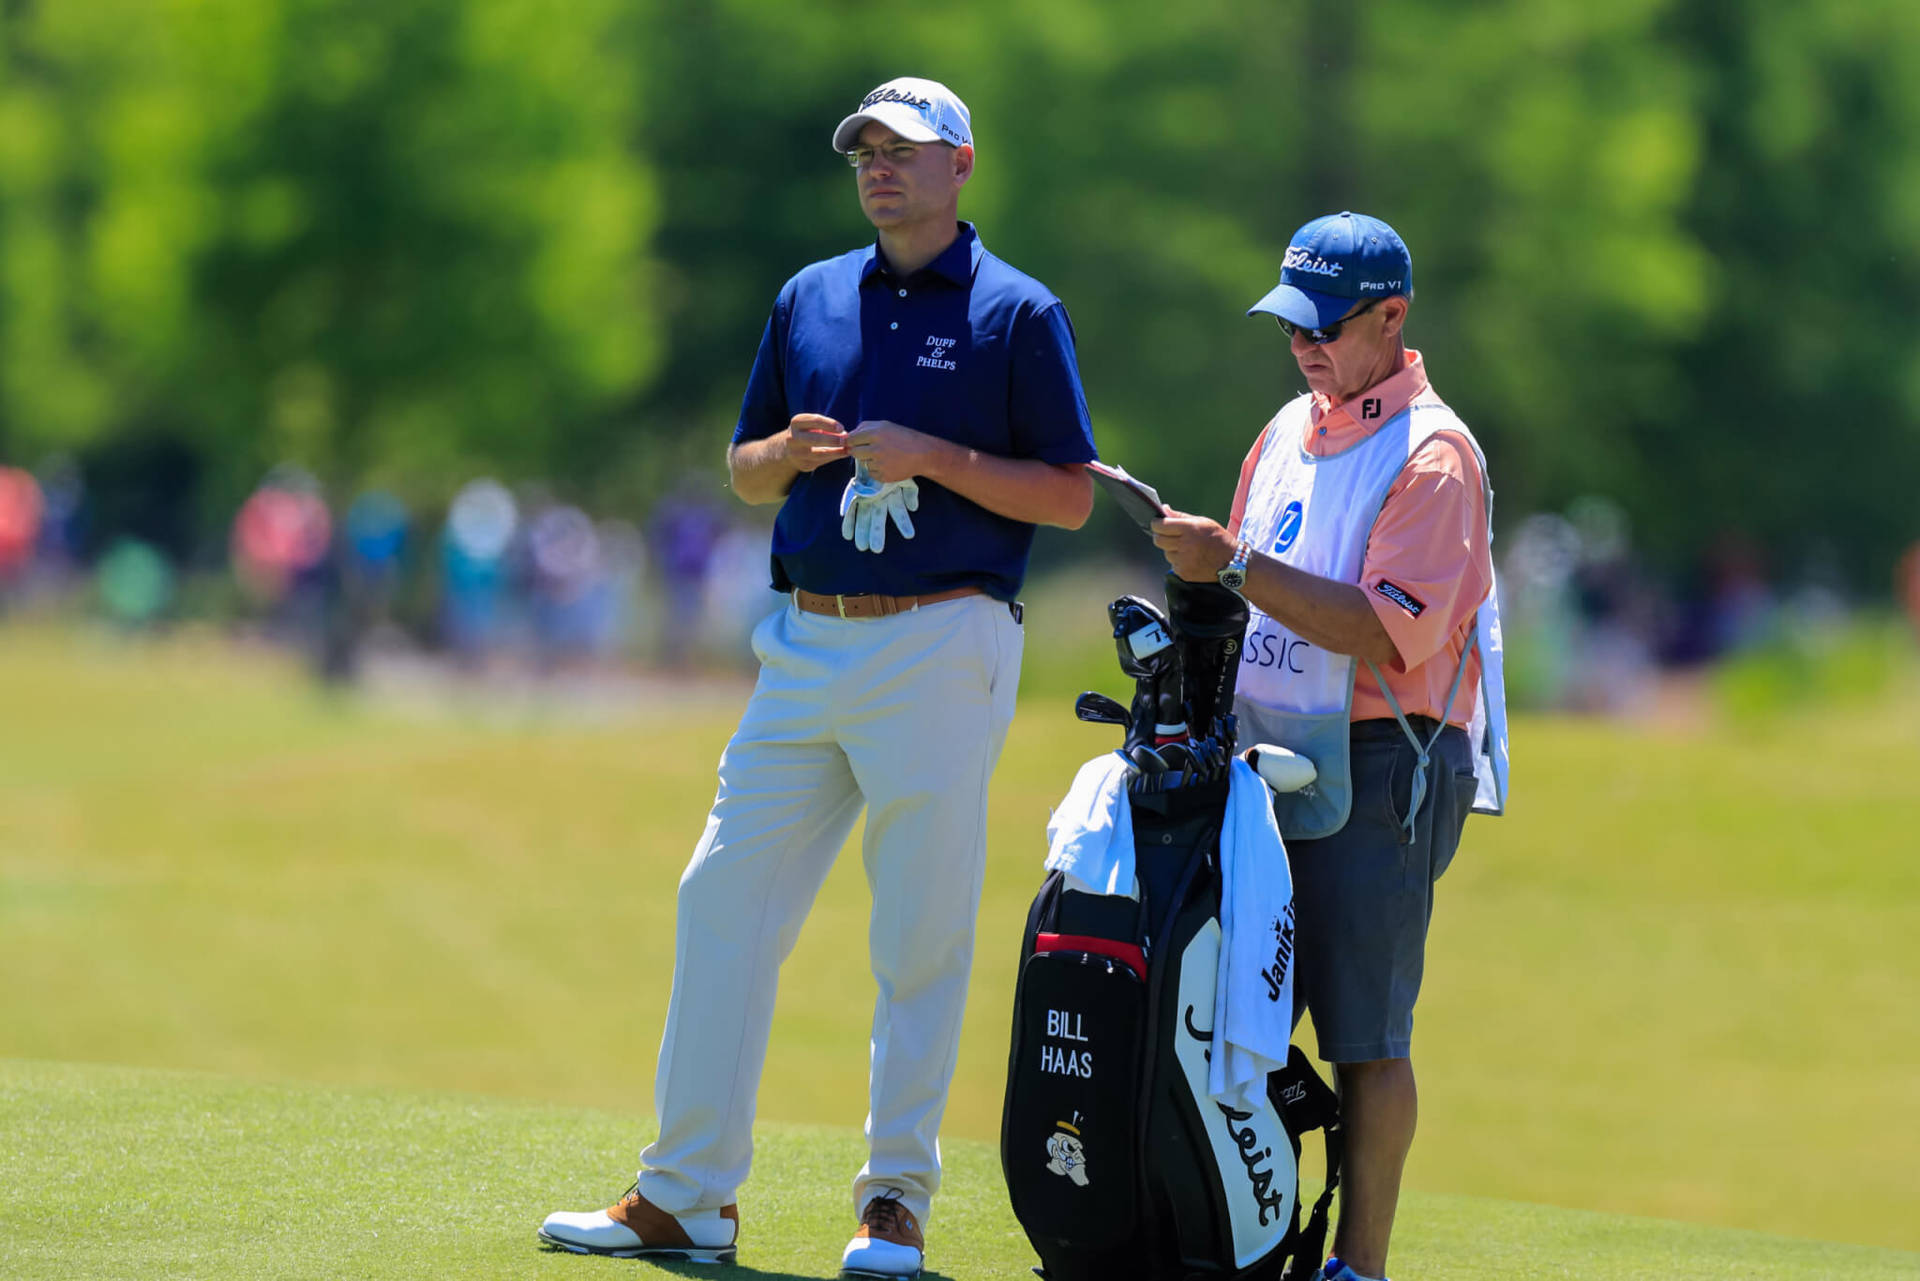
968,349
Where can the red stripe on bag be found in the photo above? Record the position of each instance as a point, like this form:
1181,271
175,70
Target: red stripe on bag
1130,955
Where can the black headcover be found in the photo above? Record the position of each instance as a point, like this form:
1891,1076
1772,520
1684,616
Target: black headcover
1209,622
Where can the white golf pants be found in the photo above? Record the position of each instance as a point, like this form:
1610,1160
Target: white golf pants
904,714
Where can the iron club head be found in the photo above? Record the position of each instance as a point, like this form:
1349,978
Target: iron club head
1098,709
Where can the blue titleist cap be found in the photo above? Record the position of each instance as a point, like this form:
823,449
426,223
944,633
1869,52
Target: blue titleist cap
1334,262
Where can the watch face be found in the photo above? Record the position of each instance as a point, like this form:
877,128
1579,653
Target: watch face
1233,579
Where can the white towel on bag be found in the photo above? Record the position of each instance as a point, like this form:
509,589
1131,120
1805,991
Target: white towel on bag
1253,995
1090,836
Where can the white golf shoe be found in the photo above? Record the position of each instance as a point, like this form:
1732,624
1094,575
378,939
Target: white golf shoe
636,1228
888,1246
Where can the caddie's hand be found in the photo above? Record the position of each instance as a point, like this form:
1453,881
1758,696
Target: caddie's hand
892,452
1196,548
814,440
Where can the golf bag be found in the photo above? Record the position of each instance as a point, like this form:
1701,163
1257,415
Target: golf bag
1119,1162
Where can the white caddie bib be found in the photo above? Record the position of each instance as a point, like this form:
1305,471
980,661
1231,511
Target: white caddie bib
1316,514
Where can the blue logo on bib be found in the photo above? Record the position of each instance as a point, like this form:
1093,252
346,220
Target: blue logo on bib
1289,527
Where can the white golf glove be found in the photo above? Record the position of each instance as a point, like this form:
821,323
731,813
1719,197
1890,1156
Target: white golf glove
867,504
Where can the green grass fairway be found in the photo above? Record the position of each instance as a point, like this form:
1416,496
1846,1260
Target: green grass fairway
1677,982
114,1172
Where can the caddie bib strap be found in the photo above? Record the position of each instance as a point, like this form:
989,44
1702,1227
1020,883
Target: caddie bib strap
1487,727
1423,763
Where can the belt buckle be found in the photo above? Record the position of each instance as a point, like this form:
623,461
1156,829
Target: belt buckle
840,601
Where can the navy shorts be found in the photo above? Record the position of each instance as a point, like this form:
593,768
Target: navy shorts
1363,899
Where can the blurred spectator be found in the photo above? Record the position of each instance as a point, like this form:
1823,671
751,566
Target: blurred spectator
1732,608
623,555
739,592
282,533
1537,608
62,529
685,530
1612,668
21,508
1906,584
376,538
1580,616
480,528
376,544
134,582
285,558
573,603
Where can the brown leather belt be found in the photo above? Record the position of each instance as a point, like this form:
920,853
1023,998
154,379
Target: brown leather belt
874,606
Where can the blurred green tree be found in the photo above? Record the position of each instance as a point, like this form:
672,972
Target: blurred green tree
388,239
1796,422
1656,242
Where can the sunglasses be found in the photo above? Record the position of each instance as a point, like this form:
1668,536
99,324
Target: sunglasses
1321,337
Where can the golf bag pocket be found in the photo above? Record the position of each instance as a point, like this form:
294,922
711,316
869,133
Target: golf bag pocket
1069,1133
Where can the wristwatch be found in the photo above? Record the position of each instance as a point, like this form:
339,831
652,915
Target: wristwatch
1234,576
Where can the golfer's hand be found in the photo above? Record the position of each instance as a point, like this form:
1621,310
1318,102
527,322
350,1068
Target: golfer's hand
814,440
1196,548
892,452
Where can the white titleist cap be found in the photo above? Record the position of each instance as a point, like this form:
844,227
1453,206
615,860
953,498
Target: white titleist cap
918,110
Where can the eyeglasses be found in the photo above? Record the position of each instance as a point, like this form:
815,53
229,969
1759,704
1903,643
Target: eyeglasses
897,152
1330,333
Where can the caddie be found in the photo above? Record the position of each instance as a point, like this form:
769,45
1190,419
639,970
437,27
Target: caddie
915,409
1360,538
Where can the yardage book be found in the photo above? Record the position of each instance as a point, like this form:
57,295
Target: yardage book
1137,499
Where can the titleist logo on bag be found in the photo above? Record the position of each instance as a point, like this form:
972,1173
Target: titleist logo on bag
1253,1144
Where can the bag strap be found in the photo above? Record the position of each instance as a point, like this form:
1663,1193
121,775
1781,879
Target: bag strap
1308,1103
1313,1237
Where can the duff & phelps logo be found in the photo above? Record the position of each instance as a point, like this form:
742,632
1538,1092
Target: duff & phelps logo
935,356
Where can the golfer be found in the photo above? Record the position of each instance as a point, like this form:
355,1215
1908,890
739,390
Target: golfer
916,410
1360,526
